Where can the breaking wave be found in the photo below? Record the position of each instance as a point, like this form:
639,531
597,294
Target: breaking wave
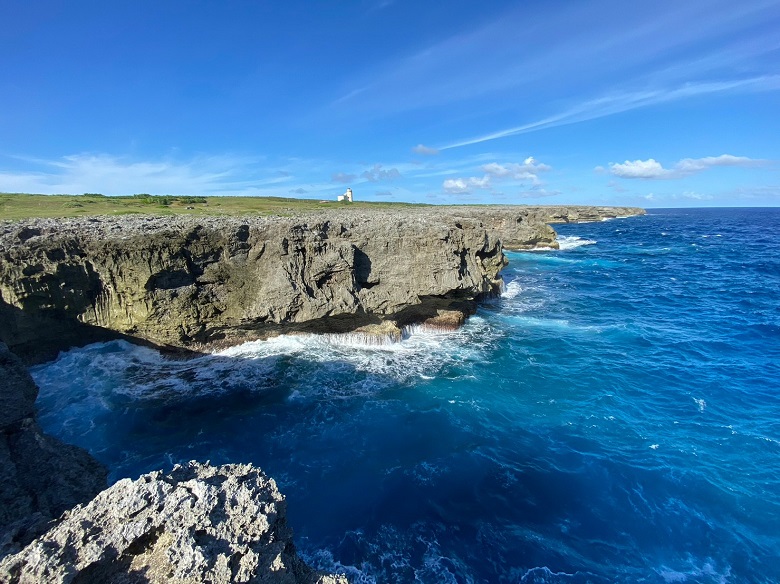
572,241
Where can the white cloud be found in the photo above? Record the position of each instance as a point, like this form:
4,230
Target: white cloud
651,169
377,173
639,169
528,170
691,165
461,186
425,150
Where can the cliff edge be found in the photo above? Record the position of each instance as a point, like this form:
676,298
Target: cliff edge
203,282
199,283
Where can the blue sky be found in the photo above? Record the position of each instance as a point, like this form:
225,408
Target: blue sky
657,104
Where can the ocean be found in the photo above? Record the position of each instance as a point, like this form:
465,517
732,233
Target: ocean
613,417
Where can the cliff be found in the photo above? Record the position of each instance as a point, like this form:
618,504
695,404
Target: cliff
199,283
522,228
41,476
194,283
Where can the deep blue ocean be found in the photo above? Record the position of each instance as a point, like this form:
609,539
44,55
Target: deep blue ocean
613,417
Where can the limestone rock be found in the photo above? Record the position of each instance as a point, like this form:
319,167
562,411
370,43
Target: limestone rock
527,227
199,523
17,389
205,282
202,282
41,476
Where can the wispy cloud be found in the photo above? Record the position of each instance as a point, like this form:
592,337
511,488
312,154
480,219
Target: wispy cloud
617,103
343,177
114,175
575,48
201,175
651,169
376,173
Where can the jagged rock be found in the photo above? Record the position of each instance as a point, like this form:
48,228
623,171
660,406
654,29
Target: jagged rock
199,523
41,476
18,390
205,282
524,227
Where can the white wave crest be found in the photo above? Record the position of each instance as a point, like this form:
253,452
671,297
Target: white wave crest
572,241
511,290
98,377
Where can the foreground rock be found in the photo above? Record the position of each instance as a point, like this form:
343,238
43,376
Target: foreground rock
41,476
199,523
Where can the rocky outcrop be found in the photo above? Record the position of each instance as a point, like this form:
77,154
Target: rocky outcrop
200,283
194,283
520,227
41,476
584,214
198,523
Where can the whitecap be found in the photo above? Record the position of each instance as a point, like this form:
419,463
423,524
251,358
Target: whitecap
99,377
511,290
572,241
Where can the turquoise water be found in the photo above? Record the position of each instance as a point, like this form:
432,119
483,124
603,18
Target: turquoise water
613,417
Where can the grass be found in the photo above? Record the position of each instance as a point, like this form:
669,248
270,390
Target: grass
15,206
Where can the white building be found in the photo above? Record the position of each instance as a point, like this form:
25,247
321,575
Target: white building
346,196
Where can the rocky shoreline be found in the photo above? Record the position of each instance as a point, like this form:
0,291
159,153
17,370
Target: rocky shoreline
198,523
194,284
198,284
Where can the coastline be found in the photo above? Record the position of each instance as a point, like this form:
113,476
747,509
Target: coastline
189,285
49,284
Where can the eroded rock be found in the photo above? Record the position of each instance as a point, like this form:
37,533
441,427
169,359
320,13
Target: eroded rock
204,282
198,523
41,476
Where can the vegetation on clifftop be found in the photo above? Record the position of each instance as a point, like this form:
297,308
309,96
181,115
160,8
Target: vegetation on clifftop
26,206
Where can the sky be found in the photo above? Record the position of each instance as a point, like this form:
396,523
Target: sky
645,103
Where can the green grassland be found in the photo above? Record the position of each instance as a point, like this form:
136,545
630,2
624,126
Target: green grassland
24,206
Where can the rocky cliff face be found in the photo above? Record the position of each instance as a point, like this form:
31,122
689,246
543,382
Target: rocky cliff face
41,476
198,283
198,523
188,282
528,227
